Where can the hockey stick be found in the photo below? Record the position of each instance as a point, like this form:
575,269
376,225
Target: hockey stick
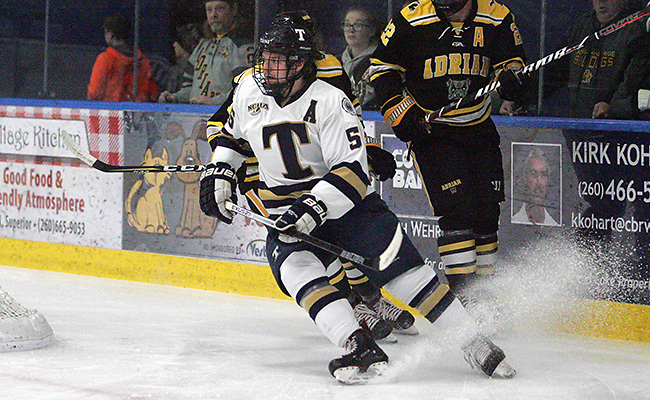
86,157
377,264
372,263
541,62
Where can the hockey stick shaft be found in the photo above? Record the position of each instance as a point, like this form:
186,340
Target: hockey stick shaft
321,244
87,158
541,62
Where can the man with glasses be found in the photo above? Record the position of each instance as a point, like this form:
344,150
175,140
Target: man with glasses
535,183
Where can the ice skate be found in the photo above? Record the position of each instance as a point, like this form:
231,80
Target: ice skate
369,320
482,353
401,321
363,361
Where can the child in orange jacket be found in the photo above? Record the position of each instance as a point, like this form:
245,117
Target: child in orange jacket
112,75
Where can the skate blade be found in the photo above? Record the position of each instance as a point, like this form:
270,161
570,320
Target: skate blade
352,375
388,339
411,330
504,371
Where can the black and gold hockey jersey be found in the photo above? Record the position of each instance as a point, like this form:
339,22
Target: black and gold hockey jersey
442,61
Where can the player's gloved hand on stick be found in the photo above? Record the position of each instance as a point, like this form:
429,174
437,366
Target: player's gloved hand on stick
381,162
306,214
405,117
217,186
512,84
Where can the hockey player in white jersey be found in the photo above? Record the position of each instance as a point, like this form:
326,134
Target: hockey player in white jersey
313,172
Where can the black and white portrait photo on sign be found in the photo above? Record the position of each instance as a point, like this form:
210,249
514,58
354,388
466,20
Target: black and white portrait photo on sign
536,184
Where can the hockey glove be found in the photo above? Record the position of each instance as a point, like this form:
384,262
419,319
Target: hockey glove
405,117
306,214
381,162
217,186
512,84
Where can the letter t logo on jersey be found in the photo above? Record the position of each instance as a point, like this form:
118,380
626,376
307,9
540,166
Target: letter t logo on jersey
301,34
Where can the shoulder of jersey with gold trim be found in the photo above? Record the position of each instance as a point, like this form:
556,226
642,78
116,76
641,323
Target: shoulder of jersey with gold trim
328,67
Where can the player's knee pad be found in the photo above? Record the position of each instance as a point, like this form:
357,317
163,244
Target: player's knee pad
338,278
316,295
421,289
457,216
487,221
487,248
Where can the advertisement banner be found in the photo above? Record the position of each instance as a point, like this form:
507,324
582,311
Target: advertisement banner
161,210
48,195
577,204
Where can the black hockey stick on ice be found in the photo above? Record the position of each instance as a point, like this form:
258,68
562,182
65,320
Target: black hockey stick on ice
86,157
372,263
541,62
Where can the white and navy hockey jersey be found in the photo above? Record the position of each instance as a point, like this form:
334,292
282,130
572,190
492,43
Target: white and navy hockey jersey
314,143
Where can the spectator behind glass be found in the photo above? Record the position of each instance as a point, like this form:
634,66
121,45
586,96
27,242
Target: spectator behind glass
595,72
188,36
215,61
361,29
592,75
632,99
112,75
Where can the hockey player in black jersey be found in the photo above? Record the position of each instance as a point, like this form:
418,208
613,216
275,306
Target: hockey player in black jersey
373,310
314,178
435,52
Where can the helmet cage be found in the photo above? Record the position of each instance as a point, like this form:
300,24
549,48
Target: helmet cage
292,43
284,78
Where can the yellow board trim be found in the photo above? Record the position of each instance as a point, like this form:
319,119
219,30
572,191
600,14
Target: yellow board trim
195,273
588,317
607,319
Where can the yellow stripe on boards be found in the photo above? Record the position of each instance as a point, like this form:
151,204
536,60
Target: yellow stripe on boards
196,273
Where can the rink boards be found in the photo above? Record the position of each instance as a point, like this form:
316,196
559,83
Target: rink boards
58,214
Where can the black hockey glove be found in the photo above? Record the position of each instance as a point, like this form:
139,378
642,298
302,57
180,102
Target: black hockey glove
217,186
381,162
306,214
512,84
405,117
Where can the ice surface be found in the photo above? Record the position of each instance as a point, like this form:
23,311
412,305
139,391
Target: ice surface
126,340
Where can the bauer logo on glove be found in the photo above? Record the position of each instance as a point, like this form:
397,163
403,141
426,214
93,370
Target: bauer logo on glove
305,215
217,186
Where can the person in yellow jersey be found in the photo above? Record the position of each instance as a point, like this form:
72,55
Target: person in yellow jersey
215,61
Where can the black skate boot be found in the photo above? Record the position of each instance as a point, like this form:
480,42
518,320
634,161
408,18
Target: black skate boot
400,320
482,353
364,360
369,320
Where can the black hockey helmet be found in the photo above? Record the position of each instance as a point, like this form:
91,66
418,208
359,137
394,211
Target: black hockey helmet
295,19
449,7
294,44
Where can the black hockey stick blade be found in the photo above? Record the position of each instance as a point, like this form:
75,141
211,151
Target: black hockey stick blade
372,263
87,158
540,63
